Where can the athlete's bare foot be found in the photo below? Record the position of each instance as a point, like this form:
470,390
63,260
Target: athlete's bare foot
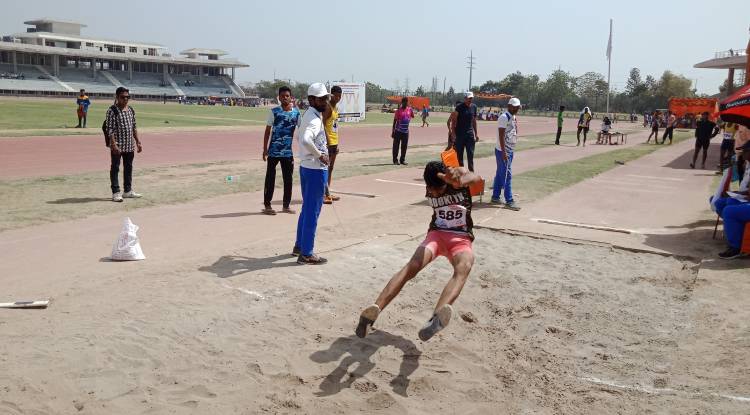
367,319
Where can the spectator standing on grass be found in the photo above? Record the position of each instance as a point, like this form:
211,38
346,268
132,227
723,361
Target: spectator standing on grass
83,103
507,136
559,124
313,173
671,122
425,115
331,122
277,149
463,130
449,123
584,120
121,129
727,145
654,128
400,133
705,130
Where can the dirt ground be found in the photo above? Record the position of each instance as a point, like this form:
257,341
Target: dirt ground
220,319
543,326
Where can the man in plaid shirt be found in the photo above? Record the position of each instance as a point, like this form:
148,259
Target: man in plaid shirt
123,142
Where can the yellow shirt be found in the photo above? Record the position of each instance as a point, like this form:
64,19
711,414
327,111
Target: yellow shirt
332,127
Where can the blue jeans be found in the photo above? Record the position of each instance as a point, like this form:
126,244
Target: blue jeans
503,176
313,182
735,217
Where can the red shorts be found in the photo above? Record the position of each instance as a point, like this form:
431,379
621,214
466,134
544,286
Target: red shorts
447,244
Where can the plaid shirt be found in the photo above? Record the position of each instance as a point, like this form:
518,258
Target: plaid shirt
121,126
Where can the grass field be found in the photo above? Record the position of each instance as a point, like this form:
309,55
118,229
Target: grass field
42,200
26,117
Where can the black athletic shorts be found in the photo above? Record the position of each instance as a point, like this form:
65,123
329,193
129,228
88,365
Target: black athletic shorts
333,149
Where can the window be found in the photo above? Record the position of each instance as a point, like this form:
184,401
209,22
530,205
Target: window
90,44
133,49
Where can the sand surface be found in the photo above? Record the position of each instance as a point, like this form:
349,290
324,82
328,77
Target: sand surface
557,328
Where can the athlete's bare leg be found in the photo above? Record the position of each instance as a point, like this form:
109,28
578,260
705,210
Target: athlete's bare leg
462,263
421,258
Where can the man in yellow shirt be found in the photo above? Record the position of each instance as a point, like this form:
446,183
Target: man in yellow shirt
331,123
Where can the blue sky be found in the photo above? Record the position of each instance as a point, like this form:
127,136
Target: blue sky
387,41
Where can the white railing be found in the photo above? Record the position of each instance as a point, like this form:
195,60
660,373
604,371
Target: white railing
729,53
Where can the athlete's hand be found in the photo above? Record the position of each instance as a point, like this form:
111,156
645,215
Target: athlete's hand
265,155
324,159
505,156
452,176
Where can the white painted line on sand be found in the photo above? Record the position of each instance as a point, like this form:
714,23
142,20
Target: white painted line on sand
583,225
257,296
659,391
657,178
394,181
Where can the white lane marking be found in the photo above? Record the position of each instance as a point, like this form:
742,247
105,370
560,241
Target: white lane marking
394,181
583,225
257,296
657,391
657,178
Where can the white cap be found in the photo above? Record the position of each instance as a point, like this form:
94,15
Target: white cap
317,90
514,102
469,95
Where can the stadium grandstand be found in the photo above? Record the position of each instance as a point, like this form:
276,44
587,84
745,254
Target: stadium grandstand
52,59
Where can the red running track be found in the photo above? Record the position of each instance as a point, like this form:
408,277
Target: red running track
54,156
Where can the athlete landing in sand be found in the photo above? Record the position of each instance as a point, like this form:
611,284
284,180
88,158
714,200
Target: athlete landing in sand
450,235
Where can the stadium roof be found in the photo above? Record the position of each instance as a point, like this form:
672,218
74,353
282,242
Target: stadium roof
200,51
725,60
83,53
76,38
45,20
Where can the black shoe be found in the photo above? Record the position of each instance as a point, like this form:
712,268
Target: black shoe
311,260
395,162
296,251
404,163
731,253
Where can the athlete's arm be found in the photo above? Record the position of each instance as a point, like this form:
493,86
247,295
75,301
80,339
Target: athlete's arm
452,120
266,135
474,126
459,177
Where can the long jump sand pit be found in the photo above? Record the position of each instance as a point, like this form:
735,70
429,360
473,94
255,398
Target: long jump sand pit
543,326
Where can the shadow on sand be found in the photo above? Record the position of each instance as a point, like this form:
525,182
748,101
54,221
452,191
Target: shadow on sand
232,266
360,351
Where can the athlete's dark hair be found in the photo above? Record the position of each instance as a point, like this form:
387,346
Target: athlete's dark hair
431,171
335,89
285,89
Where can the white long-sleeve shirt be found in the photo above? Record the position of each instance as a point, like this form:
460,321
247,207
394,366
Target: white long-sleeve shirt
312,140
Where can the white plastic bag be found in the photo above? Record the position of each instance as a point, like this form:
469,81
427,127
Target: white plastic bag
127,247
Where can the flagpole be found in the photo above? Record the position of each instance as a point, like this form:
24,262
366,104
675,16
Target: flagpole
609,63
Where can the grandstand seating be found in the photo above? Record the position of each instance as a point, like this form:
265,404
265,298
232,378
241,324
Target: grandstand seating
81,78
31,81
142,84
209,86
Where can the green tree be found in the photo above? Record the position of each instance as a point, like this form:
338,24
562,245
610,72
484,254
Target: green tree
635,84
420,91
511,83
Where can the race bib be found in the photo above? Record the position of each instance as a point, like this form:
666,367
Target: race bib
728,136
451,216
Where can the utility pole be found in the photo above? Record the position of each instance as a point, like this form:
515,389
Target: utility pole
471,66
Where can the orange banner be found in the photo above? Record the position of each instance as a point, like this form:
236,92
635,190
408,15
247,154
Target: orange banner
695,106
415,102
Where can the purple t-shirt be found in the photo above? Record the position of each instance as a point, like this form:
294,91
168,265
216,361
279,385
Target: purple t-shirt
403,117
